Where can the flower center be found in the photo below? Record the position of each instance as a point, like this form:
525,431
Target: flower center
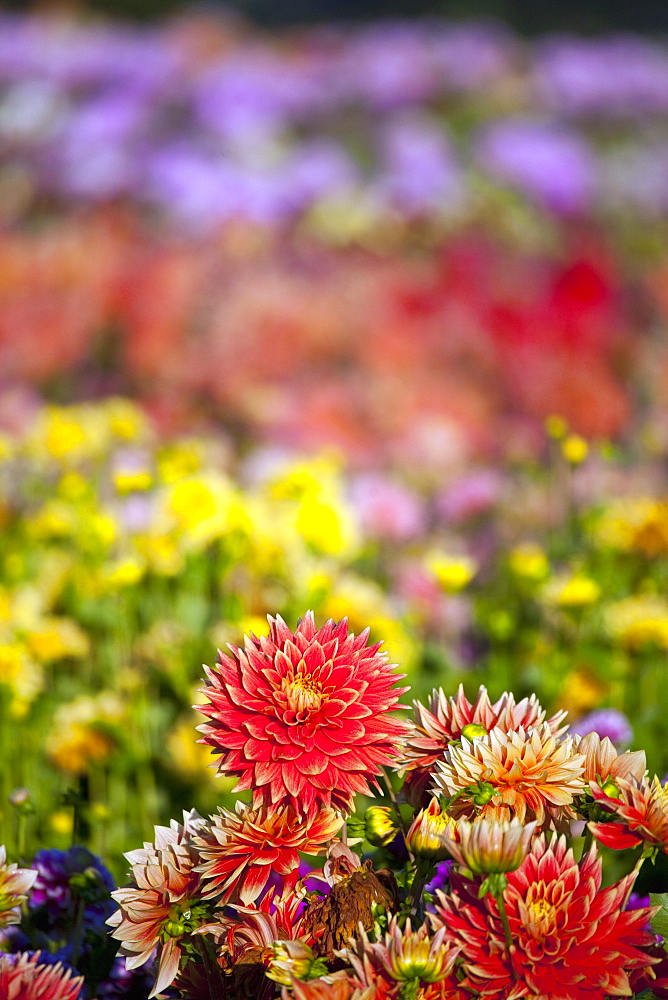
303,693
542,917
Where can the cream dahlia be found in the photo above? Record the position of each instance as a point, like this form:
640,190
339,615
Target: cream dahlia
302,717
446,718
15,883
161,906
572,940
488,846
529,774
240,850
602,759
22,977
640,807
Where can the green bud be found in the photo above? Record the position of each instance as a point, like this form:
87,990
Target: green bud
472,730
610,788
483,792
174,928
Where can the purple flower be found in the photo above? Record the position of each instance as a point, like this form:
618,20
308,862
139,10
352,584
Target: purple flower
419,172
386,509
618,75
470,496
606,722
126,984
548,162
57,884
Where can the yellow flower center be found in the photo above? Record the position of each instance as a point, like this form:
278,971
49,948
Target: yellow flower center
303,693
542,917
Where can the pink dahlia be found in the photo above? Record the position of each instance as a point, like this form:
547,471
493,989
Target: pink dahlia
302,717
571,939
160,907
240,850
23,978
446,718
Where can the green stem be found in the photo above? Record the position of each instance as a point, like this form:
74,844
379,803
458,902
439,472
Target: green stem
506,928
422,873
588,841
78,930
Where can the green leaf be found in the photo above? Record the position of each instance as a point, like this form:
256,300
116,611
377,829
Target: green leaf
659,921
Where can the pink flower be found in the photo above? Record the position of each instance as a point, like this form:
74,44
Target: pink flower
22,977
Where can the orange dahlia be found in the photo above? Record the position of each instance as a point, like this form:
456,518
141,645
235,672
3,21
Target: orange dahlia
529,774
23,978
240,850
302,716
641,806
161,906
572,940
446,718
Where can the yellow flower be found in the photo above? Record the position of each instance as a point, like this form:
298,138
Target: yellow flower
638,621
581,692
576,591
61,822
179,460
635,525
132,480
453,573
21,675
574,449
80,734
161,552
529,562
64,435
556,427
202,508
74,487
326,526
124,572
126,419
56,638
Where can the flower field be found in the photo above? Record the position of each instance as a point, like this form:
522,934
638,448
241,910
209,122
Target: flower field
354,328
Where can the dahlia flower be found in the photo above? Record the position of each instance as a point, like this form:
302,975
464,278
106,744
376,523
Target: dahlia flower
15,883
23,977
401,957
641,807
603,760
437,726
532,774
240,850
301,717
490,846
571,939
160,907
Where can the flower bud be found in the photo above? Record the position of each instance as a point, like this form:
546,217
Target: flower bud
294,960
429,833
380,827
472,730
488,847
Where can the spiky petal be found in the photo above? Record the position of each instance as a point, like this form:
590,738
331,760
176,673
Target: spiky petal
572,940
302,717
15,883
641,807
436,726
533,775
239,850
488,846
152,911
24,977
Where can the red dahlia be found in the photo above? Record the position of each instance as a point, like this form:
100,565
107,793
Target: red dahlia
302,717
571,939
